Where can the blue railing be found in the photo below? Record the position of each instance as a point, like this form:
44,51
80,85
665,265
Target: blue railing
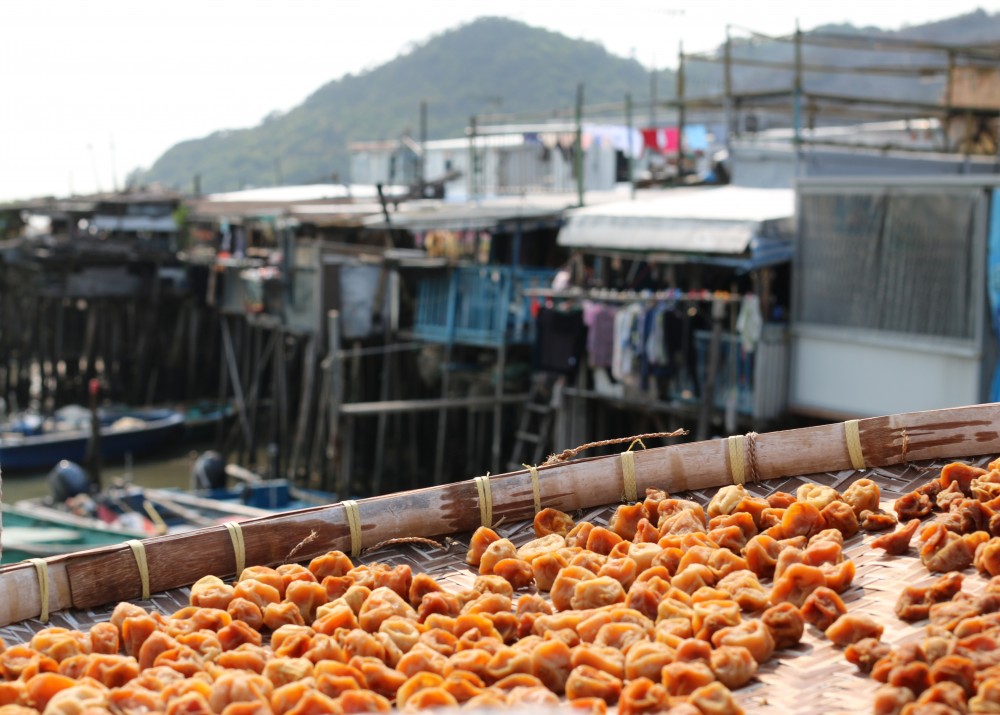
478,305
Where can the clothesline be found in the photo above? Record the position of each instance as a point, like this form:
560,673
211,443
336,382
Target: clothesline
648,341
608,295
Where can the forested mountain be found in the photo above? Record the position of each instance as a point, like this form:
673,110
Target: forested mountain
495,65
488,66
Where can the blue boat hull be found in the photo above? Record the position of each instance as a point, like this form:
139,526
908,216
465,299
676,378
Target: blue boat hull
46,450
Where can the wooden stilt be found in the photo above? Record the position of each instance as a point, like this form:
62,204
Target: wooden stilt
384,392
281,367
714,356
234,376
316,466
498,408
442,419
305,409
336,401
224,362
191,369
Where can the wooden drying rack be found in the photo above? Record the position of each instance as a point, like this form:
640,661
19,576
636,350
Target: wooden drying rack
90,578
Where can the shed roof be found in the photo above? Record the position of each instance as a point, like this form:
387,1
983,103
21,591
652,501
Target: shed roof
486,213
721,219
305,192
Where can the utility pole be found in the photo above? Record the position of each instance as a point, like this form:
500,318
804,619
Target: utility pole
728,80
473,158
652,96
114,171
422,177
578,145
631,148
93,163
797,100
797,112
680,110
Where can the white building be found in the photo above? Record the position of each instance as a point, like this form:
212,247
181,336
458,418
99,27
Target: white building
501,160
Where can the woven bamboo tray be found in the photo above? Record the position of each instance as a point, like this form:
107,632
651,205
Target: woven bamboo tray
812,678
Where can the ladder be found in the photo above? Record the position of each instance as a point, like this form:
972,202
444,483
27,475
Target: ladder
537,416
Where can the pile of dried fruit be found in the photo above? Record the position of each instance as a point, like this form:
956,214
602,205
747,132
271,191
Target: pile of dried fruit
956,669
671,606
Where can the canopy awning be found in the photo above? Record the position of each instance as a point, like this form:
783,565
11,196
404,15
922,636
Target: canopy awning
703,220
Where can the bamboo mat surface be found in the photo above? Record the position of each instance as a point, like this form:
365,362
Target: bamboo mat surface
810,679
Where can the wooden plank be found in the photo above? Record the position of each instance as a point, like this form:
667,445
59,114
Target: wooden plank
357,409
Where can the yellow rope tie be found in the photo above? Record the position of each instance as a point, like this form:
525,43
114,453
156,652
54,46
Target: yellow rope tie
853,437
139,551
239,546
535,493
736,461
628,476
42,569
485,501
354,524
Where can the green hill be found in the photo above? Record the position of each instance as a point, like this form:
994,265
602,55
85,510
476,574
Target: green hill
487,66
494,65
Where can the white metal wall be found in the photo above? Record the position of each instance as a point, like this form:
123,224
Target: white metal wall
845,370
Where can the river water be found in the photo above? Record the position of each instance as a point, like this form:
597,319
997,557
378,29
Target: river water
168,467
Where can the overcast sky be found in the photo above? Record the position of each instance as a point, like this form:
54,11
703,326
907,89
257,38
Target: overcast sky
78,77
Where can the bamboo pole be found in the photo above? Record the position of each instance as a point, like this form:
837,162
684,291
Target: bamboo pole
91,578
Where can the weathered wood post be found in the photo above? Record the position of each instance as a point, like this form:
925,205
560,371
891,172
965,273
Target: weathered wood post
336,367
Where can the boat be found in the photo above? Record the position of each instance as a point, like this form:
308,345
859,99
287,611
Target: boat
33,443
43,526
211,478
202,419
72,519
35,535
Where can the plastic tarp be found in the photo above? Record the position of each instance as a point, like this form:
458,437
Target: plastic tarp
993,282
896,262
713,220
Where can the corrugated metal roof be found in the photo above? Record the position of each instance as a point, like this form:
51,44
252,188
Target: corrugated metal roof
720,219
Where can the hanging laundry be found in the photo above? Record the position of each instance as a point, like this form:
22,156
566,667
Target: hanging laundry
656,340
600,321
749,326
660,140
628,141
696,137
226,242
560,337
239,242
626,345
551,140
749,323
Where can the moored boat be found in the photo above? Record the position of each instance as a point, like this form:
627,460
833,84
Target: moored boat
130,431
29,534
73,518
